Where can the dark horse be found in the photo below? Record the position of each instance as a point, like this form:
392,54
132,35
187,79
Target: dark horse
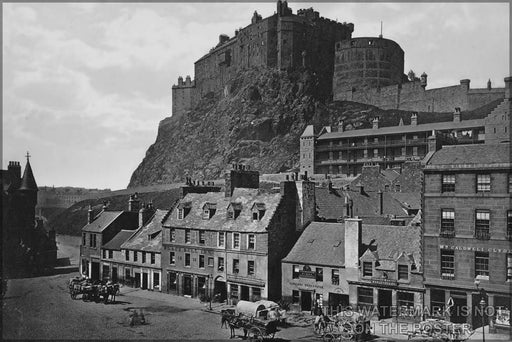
109,290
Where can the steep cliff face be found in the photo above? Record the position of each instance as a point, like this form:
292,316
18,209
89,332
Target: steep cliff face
257,121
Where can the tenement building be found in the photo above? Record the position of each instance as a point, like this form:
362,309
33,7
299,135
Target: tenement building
467,220
371,268
230,244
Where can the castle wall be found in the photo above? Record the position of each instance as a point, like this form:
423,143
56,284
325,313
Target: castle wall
182,97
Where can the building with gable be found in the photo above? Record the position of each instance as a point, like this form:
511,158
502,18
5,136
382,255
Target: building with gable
230,244
467,223
101,229
27,247
376,268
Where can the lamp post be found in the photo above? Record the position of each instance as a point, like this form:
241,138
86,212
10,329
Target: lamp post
482,305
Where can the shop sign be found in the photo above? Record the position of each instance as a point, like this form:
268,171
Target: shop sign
302,285
306,272
476,249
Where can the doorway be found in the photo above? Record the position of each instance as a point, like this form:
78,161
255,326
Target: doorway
338,301
95,270
187,285
305,300
220,290
137,279
244,295
144,281
385,302
172,283
114,274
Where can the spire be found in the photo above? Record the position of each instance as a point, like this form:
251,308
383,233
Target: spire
28,182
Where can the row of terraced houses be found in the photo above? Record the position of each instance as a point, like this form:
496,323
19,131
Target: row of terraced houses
375,243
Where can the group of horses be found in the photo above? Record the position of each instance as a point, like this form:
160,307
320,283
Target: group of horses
93,290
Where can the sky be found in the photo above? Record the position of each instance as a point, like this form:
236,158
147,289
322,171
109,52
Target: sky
85,85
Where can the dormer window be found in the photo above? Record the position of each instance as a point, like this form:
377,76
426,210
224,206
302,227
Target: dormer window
234,210
403,272
258,211
209,210
367,269
183,210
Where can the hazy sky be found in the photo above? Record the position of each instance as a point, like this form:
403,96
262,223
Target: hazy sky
85,85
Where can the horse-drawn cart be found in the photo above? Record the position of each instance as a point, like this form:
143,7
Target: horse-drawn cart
92,290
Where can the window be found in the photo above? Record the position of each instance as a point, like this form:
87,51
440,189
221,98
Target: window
135,256
236,266
295,272
250,267
403,272
210,261
220,263
415,151
447,222
206,214
255,216
319,274
172,258
483,183
295,297
104,254
256,293
180,214
405,299
236,241
84,239
482,264
153,258
187,235
335,277
509,266
447,265
93,236
111,254
251,241
231,214
201,261
143,257
367,269
220,240
187,259
234,291
172,236
448,183
156,279
365,296
201,237
127,255
510,182
482,220
397,187
509,224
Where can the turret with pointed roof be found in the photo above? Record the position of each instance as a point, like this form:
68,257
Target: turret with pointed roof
28,182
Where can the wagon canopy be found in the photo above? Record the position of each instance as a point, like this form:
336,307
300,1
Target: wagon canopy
252,309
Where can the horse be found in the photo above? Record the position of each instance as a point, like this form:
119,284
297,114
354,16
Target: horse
225,317
321,322
237,322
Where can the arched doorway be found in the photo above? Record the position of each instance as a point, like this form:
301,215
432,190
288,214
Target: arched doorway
220,288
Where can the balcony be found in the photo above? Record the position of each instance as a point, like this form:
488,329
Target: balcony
482,234
448,276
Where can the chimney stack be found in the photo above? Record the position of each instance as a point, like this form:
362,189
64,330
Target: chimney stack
414,119
353,242
240,177
375,123
381,202
134,203
90,215
456,115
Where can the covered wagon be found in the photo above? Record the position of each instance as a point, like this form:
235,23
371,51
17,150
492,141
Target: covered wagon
262,309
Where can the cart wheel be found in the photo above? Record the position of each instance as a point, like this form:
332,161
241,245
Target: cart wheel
347,335
255,334
329,337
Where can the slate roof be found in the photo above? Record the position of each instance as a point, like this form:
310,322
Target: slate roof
438,126
140,241
471,154
28,181
316,245
102,221
411,200
331,205
390,174
219,221
118,240
309,131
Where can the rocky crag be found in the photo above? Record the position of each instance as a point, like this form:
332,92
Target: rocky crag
258,121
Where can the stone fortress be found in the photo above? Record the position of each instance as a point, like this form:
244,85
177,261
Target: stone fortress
367,69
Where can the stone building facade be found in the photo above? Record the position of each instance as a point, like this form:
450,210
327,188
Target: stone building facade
230,244
467,223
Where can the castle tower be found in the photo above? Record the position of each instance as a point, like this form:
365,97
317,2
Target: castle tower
366,62
307,151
